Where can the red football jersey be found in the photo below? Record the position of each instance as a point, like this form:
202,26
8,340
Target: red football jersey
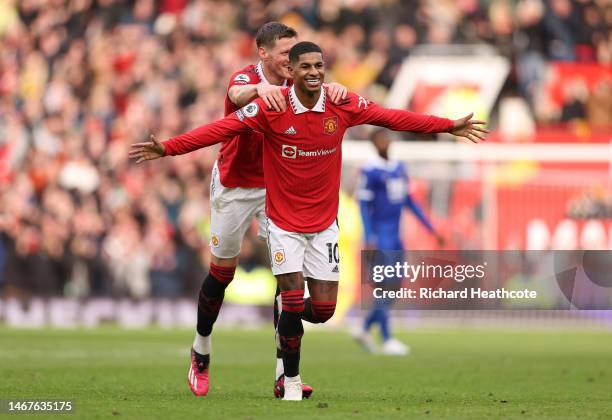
302,150
240,159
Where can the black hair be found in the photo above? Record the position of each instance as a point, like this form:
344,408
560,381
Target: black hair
303,47
271,32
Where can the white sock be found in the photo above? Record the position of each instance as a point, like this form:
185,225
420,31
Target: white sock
293,379
280,369
201,344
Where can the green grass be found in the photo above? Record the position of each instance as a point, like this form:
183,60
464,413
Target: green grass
449,374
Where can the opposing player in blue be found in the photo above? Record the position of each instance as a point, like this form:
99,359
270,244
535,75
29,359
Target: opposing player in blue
383,194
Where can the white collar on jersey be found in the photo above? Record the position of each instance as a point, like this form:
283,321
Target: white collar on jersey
297,106
262,76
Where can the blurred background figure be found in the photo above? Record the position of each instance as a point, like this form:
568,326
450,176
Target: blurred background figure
383,195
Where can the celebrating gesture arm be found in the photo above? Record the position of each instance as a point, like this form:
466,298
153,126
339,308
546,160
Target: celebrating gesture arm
363,111
148,150
469,128
249,118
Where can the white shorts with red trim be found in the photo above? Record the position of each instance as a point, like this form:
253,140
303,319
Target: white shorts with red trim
316,255
231,214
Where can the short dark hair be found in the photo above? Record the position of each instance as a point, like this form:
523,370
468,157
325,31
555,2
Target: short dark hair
271,32
303,47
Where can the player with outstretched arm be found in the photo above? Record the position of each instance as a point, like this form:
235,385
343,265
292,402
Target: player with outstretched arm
238,190
302,162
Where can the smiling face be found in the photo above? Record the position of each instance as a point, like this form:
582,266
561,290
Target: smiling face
276,57
308,72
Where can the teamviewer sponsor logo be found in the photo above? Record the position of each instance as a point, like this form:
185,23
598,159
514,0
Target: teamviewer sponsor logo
289,152
316,153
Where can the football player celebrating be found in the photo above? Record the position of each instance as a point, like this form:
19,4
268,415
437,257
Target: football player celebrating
302,162
237,190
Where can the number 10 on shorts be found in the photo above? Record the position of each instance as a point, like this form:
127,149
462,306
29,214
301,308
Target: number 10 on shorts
332,251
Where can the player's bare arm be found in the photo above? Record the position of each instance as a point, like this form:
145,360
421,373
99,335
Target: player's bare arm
270,94
240,95
469,128
148,150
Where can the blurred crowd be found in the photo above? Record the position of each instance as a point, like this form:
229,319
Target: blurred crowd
595,203
82,79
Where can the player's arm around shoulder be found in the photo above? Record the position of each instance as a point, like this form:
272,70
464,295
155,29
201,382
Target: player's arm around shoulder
241,95
348,102
335,91
272,96
245,88
242,87
258,115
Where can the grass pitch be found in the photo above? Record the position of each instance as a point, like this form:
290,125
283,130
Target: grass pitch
449,374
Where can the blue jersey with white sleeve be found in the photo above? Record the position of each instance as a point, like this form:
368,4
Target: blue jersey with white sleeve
382,195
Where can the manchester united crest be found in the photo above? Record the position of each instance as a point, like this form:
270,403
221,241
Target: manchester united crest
214,241
330,125
279,256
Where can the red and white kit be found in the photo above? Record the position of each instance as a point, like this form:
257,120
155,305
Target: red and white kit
237,191
302,158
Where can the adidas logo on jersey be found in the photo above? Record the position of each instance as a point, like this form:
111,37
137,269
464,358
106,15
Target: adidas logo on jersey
290,130
335,269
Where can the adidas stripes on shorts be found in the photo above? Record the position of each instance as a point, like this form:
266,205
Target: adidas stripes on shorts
314,254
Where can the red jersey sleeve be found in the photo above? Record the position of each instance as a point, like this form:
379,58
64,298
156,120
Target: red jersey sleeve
243,77
364,111
248,118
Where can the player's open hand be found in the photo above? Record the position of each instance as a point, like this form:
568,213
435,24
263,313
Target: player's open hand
469,128
272,96
336,92
148,150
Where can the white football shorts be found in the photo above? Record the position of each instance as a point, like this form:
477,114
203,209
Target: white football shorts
231,213
316,255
